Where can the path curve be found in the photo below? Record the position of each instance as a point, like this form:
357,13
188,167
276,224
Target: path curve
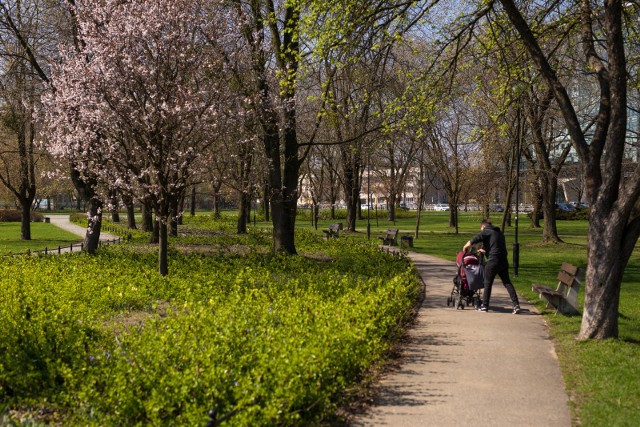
63,222
463,367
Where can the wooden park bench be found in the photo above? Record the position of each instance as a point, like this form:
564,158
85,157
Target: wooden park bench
333,231
565,298
391,237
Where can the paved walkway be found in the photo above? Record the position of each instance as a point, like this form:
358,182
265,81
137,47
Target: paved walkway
63,222
467,368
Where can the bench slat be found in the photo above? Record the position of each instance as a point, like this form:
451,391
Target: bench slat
565,278
545,290
571,269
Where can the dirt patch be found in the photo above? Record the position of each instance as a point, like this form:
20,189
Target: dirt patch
135,319
320,257
217,249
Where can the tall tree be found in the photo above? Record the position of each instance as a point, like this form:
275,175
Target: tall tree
614,225
280,40
21,46
136,103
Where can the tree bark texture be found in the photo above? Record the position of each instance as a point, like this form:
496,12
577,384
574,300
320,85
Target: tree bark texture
92,237
131,212
192,205
244,210
147,216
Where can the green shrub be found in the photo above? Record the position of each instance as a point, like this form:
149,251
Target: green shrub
14,215
275,340
304,214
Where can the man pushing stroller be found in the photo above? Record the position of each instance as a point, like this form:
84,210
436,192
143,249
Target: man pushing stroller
495,247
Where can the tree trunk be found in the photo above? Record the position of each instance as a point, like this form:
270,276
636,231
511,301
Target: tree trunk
550,229
174,212
163,240
265,203
86,192
284,214
610,246
92,237
180,209
537,205
216,205
453,216
115,214
154,239
351,187
392,206
193,201
131,215
25,219
147,217
25,192
244,210
506,216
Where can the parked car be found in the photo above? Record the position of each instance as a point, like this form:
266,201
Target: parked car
579,205
567,207
441,207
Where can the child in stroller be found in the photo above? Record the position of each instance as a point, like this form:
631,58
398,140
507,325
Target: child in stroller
468,281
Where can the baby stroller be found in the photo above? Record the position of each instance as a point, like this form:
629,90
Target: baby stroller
468,282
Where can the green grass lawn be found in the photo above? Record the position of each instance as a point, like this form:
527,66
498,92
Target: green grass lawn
43,235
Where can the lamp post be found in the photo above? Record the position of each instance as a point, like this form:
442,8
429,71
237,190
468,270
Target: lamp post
516,245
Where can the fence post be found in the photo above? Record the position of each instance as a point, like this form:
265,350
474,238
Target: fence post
71,247
59,250
46,251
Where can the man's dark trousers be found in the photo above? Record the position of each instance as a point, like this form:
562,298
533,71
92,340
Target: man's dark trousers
492,269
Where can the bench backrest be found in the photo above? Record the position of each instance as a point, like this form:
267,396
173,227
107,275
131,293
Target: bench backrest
569,279
335,227
392,232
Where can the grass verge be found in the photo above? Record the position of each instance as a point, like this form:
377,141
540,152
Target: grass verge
43,235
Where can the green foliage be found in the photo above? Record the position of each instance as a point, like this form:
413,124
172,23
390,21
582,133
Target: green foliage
304,214
277,340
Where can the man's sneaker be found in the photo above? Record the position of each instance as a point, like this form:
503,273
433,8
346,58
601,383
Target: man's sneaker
516,309
482,308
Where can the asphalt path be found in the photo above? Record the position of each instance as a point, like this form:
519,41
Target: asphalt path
63,222
469,368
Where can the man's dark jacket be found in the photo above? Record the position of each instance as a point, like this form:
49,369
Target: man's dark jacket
493,242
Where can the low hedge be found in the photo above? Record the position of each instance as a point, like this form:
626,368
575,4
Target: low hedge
14,215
